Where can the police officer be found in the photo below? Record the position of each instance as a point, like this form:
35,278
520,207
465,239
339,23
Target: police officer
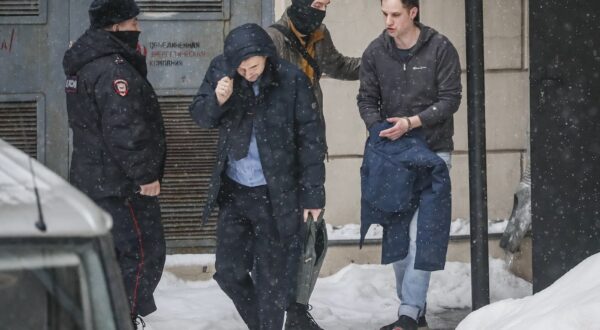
119,142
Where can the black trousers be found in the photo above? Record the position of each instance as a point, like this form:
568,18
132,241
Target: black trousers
254,267
140,247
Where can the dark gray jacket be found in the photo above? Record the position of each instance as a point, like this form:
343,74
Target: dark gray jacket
426,84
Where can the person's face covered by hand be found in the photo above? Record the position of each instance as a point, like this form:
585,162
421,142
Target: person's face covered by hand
307,15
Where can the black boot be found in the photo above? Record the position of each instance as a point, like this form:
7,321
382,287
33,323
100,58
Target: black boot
422,322
299,318
138,322
403,323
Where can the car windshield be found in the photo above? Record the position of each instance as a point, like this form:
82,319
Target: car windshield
52,288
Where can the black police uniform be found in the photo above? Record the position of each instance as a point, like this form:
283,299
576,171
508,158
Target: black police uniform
118,145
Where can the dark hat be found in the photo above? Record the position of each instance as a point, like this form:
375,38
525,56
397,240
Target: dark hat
107,12
302,3
246,41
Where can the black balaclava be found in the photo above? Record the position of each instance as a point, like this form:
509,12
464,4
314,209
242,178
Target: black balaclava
305,18
130,38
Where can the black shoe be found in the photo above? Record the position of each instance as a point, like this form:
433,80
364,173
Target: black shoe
138,322
403,323
422,322
299,318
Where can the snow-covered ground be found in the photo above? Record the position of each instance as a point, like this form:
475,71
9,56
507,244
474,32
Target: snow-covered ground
572,302
458,227
358,297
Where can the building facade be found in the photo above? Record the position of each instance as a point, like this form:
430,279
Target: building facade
179,39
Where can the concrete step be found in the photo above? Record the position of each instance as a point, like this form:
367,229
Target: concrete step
343,253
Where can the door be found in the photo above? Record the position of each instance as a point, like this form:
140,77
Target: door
565,146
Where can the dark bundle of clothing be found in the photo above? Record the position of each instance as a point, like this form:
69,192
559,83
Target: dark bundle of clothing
397,178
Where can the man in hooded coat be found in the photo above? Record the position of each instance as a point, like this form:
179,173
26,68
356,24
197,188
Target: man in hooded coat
119,142
269,174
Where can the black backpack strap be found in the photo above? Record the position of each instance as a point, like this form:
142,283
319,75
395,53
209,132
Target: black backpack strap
295,43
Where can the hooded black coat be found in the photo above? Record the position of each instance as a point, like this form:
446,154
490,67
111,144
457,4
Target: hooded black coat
288,128
118,140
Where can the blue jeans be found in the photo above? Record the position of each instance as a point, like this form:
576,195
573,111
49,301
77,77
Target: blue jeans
412,284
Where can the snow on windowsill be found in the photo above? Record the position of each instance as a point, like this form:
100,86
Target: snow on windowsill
459,227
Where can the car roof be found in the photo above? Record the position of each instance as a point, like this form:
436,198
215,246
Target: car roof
66,211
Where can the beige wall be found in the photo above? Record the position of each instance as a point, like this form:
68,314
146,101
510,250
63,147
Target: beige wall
355,23
459,250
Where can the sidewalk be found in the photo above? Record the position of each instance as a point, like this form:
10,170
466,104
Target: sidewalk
358,297
448,319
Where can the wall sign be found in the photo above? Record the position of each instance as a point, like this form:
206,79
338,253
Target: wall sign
172,53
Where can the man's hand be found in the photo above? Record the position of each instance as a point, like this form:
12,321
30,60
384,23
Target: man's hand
401,126
314,212
395,132
150,189
224,90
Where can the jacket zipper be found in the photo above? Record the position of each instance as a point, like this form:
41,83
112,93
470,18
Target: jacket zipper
406,86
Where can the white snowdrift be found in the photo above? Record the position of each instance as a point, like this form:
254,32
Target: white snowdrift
458,227
358,297
572,302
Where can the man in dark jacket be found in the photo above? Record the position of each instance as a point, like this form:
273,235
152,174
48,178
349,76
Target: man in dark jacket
302,23
297,35
269,174
410,77
119,142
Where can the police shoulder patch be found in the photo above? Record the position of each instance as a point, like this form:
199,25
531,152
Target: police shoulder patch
121,87
71,85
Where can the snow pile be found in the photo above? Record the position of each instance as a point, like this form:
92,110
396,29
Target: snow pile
451,288
356,298
180,260
462,227
572,302
352,232
192,305
458,227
